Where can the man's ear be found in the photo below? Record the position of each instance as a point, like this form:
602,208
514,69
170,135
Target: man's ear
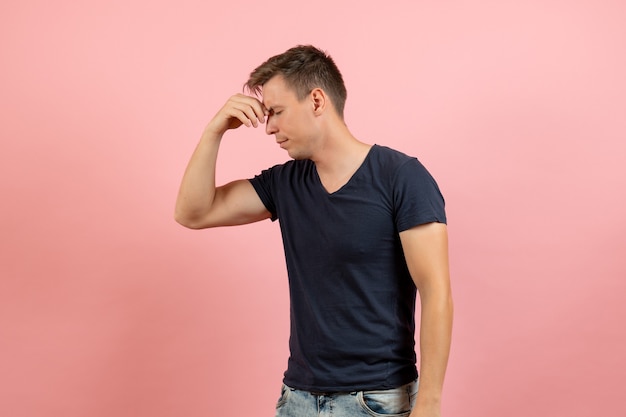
319,100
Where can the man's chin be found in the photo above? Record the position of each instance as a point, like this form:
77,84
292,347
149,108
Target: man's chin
293,154
297,156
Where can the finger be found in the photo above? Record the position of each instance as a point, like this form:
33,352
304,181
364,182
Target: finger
250,114
259,111
238,109
244,118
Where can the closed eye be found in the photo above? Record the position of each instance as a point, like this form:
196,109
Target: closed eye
274,112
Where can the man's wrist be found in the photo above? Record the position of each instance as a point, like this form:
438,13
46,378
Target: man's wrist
428,397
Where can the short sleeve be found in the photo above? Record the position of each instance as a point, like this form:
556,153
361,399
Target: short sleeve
416,197
262,184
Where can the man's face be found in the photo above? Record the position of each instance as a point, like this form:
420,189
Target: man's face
290,120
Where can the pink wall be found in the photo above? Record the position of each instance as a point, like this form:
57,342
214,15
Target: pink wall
107,307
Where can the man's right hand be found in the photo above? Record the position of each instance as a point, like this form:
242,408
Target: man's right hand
239,110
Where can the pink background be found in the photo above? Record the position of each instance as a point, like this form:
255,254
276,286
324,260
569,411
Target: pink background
109,308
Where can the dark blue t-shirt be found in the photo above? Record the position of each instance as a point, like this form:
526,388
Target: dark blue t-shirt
352,297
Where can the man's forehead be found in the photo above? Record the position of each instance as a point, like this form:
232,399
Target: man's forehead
275,91
267,102
272,103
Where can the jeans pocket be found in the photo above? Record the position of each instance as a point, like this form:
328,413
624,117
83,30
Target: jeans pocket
393,402
284,394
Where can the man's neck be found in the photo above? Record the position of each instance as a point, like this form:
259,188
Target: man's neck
341,156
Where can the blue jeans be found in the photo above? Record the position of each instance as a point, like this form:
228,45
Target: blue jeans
393,402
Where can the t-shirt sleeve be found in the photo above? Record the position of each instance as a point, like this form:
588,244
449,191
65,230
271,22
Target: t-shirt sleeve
262,184
417,198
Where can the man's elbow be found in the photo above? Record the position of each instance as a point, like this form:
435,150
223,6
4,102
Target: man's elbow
190,222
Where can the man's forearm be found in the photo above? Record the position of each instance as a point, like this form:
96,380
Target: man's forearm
435,338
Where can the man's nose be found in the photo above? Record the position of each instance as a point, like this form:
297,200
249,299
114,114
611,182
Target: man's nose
270,127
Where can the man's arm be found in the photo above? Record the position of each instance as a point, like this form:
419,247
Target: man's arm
200,204
426,252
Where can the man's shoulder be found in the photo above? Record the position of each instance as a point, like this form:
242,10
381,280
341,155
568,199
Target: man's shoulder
293,165
287,169
389,158
397,166
389,152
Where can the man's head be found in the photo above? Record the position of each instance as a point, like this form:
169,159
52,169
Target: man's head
303,68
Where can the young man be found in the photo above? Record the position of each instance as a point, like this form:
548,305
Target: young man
363,228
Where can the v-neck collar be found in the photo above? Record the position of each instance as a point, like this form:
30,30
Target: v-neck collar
356,172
